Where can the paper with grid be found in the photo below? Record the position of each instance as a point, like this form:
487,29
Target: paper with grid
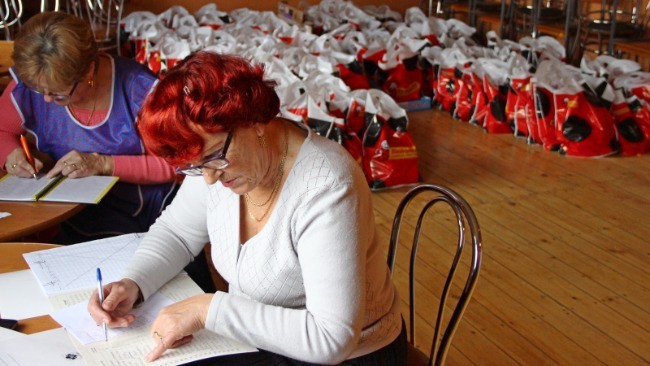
73,267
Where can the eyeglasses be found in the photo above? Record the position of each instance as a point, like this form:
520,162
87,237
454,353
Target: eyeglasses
58,97
217,161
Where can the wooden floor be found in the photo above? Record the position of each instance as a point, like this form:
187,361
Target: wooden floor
566,267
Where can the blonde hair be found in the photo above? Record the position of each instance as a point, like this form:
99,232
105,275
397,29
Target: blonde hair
56,48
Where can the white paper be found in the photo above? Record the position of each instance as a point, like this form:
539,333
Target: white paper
81,325
21,296
4,214
131,347
9,334
82,190
13,188
74,267
51,348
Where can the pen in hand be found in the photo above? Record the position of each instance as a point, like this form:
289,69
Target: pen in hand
100,293
30,158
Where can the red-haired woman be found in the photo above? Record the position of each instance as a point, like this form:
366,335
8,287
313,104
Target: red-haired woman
289,217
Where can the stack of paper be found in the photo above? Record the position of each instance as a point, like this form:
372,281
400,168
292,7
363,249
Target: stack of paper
67,276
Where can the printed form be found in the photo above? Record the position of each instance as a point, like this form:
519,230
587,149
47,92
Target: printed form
67,276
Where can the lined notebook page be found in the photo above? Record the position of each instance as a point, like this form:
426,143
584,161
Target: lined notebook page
81,190
13,188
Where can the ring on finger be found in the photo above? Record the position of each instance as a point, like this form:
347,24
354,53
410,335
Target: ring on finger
74,165
156,334
13,166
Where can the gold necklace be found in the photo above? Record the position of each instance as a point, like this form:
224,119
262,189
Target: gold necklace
276,183
92,113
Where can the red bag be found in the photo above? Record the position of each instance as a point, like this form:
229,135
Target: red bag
463,106
632,118
585,126
389,154
631,112
353,75
495,118
404,82
520,109
495,85
545,117
446,89
479,101
390,157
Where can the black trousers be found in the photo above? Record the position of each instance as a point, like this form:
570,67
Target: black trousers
393,354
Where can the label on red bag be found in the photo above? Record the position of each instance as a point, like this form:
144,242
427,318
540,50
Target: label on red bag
398,153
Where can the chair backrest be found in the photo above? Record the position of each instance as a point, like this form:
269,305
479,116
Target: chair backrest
104,17
468,232
10,13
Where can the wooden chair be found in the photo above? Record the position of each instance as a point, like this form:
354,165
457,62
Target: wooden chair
420,201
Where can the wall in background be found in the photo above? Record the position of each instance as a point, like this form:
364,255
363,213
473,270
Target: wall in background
159,6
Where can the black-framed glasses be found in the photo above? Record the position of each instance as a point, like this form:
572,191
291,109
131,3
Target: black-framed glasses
58,97
217,161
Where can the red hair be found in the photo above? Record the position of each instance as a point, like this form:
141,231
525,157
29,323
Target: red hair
213,91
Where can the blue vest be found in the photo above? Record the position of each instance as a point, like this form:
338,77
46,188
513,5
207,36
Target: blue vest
57,132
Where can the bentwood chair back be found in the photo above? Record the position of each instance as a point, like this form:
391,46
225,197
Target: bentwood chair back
104,17
10,13
421,212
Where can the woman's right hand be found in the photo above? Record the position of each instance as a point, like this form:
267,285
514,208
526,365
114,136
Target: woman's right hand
119,298
18,165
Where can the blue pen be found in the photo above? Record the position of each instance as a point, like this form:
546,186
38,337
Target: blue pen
100,293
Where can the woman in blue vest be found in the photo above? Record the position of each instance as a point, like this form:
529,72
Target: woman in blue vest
78,107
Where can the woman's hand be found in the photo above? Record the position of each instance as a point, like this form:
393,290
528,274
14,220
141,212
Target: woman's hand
119,298
18,165
176,323
76,164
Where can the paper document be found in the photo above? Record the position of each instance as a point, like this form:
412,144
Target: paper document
51,348
68,276
131,350
21,296
73,267
10,334
58,189
132,346
81,325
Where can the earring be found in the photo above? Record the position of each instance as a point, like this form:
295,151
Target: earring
91,82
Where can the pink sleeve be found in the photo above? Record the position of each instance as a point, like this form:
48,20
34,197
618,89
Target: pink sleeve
142,169
11,125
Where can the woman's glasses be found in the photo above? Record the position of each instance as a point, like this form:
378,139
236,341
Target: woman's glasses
217,161
58,97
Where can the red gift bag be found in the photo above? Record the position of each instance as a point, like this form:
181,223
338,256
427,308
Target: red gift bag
495,85
632,113
582,121
389,154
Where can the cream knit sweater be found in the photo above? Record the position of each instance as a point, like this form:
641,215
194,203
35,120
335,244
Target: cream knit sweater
312,285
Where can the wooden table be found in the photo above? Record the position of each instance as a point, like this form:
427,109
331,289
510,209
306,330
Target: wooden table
11,260
31,217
